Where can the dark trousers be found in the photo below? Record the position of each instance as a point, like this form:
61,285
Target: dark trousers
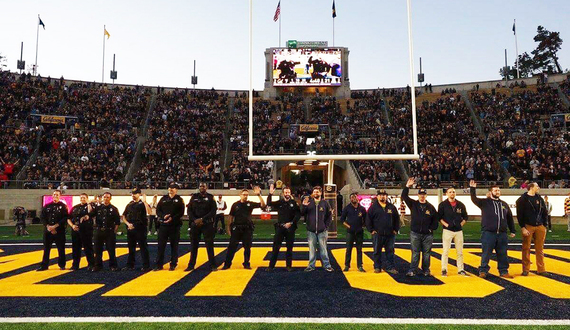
207,229
421,243
352,238
494,241
289,236
220,219
153,219
82,239
108,238
549,221
59,240
134,237
165,234
245,236
386,242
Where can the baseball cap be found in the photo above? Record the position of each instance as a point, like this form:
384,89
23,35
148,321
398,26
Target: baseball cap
136,191
422,192
381,192
173,185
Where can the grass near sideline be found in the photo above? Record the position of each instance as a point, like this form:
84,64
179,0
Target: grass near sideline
264,230
247,326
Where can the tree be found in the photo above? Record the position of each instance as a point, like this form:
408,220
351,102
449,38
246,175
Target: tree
525,65
545,56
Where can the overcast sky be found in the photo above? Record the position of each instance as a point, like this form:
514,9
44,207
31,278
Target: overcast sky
156,41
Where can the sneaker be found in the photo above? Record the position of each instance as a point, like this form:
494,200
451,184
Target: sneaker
346,268
309,269
483,275
360,269
427,273
550,230
155,233
507,275
41,269
410,273
377,270
524,273
148,234
392,271
329,269
543,274
444,273
462,273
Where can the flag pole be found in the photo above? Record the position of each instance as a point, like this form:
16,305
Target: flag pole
280,13
517,50
103,68
37,41
333,31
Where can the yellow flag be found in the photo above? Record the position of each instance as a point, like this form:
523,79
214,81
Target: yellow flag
107,33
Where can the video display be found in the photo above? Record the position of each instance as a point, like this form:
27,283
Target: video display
307,67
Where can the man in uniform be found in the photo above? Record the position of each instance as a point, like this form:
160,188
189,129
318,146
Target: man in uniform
424,223
54,217
453,216
221,207
169,211
81,232
106,222
288,214
353,217
383,223
240,226
496,216
318,216
201,212
135,217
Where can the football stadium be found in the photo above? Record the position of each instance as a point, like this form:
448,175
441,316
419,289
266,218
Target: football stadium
305,198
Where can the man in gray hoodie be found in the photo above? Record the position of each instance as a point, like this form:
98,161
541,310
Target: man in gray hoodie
318,216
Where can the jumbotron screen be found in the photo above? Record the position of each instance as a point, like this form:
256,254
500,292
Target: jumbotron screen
307,67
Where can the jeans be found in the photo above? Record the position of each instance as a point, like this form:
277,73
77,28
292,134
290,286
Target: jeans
319,239
352,238
498,242
386,242
420,243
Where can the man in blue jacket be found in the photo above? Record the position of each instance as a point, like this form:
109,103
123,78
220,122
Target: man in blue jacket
423,224
318,216
353,217
495,217
383,221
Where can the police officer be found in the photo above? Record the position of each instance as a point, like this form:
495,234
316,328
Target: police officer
353,217
383,222
54,217
81,225
169,211
135,218
201,214
106,222
288,214
241,227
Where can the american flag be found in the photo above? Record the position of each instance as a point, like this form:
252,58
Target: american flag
277,12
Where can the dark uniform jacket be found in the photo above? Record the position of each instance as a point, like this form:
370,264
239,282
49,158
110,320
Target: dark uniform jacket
105,217
355,217
384,220
424,215
78,212
173,206
135,213
287,211
55,213
202,207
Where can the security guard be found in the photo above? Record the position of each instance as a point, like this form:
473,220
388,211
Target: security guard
54,217
241,227
169,211
201,214
106,222
135,218
288,214
81,232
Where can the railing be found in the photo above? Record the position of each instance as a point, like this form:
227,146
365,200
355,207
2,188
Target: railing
51,184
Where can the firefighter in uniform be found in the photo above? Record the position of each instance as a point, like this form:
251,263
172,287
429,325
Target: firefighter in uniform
135,217
81,225
54,217
169,211
241,227
106,222
288,214
201,214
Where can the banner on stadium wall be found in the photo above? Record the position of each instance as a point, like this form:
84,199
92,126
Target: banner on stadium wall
309,127
52,119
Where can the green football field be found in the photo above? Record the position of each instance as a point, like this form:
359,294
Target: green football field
264,231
